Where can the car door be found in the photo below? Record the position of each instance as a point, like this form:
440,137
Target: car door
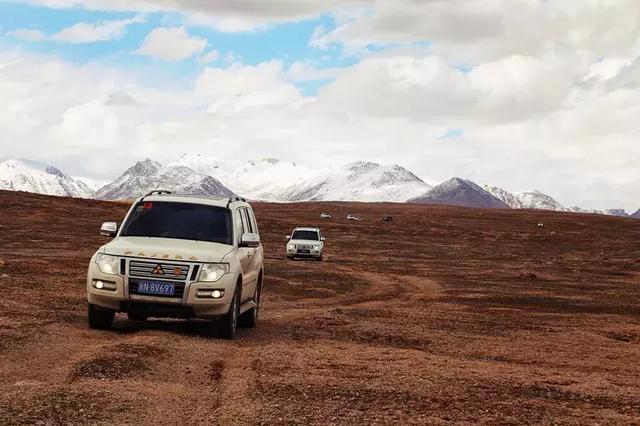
247,259
243,258
259,253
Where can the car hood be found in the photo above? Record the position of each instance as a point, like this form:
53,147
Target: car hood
309,242
167,249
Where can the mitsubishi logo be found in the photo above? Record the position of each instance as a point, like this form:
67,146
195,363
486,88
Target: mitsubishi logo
158,270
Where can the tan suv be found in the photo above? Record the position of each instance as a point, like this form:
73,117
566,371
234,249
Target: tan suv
179,257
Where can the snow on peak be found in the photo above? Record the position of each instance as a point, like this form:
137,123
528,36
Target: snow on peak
460,192
149,175
31,176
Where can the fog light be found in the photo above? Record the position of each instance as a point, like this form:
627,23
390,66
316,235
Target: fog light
210,294
105,285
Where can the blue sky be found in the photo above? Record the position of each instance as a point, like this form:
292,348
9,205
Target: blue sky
287,42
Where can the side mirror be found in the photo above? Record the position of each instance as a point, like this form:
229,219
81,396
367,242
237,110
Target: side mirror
249,240
288,237
109,229
322,239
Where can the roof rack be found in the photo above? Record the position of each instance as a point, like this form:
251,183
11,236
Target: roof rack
159,192
234,199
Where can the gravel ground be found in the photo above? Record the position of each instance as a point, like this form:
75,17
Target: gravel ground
446,315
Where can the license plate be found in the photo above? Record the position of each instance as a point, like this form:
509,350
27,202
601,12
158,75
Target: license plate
156,287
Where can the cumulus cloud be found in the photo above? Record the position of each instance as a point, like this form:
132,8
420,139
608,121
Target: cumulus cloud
172,44
224,15
30,35
83,32
208,57
241,86
305,71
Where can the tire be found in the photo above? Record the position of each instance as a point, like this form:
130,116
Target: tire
250,318
100,319
290,257
228,324
136,317
319,259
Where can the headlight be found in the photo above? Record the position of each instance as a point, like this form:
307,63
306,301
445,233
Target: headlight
291,246
212,272
316,247
108,264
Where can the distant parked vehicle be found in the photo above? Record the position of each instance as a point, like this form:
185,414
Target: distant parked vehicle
354,217
305,243
387,218
540,225
325,216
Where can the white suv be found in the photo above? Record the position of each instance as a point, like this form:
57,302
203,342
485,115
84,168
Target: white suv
306,243
179,257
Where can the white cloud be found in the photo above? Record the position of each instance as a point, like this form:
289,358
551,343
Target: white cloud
471,31
30,35
83,32
209,57
306,71
238,87
172,44
223,15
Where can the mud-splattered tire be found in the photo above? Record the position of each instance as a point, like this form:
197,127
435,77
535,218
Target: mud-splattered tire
227,325
136,317
99,319
250,318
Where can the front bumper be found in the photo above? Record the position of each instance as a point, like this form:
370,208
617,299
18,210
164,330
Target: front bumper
187,306
312,253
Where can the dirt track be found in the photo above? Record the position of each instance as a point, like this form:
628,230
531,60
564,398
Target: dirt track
446,315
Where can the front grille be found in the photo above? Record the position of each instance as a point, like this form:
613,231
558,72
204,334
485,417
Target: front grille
303,248
133,289
159,270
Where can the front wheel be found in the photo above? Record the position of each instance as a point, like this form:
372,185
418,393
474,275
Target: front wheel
250,318
229,322
100,319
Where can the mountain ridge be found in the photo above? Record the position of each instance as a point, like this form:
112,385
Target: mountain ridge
270,179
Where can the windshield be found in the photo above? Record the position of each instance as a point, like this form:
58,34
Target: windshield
181,221
305,235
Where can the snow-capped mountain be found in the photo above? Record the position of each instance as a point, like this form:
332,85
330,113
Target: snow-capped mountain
509,198
617,212
636,215
148,175
526,200
359,181
273,180
30,176
460,192
540,201
93,184
264,180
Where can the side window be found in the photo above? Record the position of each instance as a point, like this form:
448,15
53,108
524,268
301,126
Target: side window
252,220
237,225
246,227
